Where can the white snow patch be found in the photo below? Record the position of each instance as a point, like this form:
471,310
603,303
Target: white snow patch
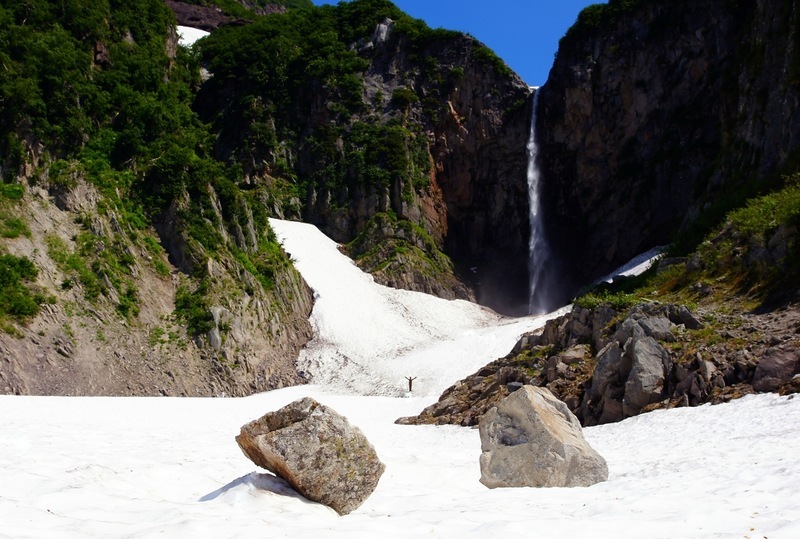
636,266
369,337
169,467
188,35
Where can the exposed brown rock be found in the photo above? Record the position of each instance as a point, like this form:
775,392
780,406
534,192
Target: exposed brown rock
206,18
317,451
79,346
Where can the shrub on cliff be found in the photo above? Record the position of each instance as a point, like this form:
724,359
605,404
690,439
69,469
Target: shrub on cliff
17,301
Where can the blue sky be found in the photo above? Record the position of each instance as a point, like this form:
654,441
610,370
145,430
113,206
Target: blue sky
524,33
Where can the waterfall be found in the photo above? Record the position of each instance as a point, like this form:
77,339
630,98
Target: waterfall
540,291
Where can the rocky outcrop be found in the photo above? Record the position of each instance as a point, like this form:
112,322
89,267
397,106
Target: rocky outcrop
206,18
657,114
631,371
111,326
317,451
531,439
401,255
653,356
778,365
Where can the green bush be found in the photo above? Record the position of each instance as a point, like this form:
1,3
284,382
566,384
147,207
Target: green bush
17,301
11,191
599,16
485,54
13,227
404,97
193,308
619,301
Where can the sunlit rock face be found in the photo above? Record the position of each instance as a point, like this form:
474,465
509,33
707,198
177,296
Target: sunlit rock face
658,116
531,439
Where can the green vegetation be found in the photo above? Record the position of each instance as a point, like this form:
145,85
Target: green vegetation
18,301
75,267
297,87
752,257
407,249
404,97
12,227
756,249
486,54
91,82
599,16
11,191
11,224
95,86
192,307
618,300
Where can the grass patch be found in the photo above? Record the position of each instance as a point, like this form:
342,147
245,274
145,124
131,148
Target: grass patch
75,267
618,300
11,191
13,227
751,259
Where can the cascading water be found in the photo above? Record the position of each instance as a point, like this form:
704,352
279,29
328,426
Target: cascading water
539,300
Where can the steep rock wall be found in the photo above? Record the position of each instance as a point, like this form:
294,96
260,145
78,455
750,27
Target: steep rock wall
81,344
656,115
477,203
467,115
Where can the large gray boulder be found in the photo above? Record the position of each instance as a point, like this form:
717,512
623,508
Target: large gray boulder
608,383
631,371
776,368
317,451
645,384
531,439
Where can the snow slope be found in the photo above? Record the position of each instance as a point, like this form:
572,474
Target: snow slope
188,35
369,337
169,467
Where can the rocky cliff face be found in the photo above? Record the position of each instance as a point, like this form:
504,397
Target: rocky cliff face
462,119
211,17
480,163
90,340
657,115
477,207
122,297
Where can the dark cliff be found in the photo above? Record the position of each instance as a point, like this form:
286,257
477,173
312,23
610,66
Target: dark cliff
657,117
358,115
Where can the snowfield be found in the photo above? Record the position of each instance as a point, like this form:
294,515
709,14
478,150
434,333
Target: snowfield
170,467
369,338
